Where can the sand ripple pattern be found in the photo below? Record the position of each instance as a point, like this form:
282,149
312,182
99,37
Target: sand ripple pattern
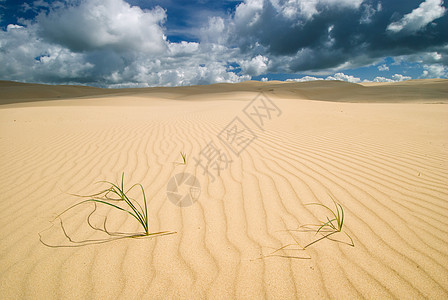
391,180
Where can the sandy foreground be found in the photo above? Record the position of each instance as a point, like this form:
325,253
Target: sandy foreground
380,150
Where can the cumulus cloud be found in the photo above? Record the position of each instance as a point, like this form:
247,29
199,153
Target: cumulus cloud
383,67
26,56
399,77
439,57
317,35
382,79
183,64
13,26
344,77
435,71
395,78
111,43
305,79
104,24
349,78
214,31
338,76
420,17
293,9
256,66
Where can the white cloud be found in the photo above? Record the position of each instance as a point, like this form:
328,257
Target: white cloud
399,77
344,77
27,58
304,79
264,79
186,75
183,48
381,79
433,57
338,76
345,3
427,12
214,32
435,71
184,64
294,9
248,12
113,45
13,26
108,24
395,78
256,66
383,67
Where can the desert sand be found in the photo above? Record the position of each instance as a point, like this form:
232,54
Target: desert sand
380,150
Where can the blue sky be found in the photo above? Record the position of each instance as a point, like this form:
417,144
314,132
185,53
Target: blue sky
138,43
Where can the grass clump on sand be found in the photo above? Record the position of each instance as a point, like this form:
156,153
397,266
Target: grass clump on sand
184,157
331,226
117,197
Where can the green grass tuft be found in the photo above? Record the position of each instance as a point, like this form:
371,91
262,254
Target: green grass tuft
333,224
184,157
116,197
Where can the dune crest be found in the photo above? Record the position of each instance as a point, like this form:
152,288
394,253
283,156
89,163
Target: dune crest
417,91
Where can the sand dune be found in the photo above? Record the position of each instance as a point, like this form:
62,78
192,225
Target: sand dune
428,91
385,163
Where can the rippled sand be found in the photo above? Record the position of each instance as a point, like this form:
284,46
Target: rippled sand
380,150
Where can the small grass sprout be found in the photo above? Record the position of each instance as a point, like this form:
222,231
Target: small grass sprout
333,224
184,157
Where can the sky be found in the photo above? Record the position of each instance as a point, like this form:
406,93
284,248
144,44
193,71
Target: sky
142,43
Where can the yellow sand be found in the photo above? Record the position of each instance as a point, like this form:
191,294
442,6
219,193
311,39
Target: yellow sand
386,163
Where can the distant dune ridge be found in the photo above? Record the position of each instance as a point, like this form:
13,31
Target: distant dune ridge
379,149
428,90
